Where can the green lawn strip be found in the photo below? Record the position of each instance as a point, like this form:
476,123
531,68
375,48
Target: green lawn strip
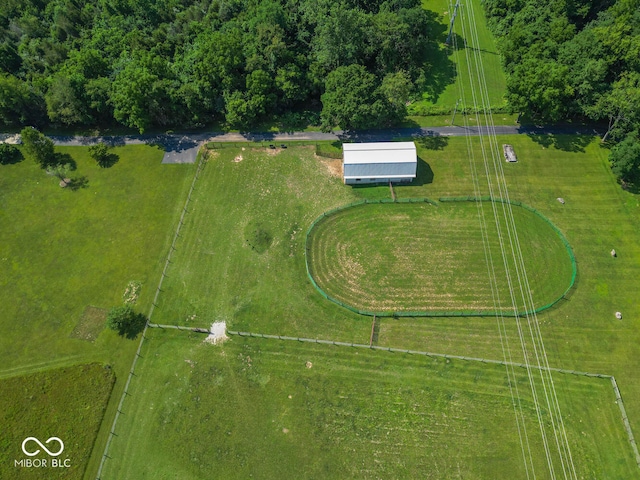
68,403
449,119
240,255
431,259
443,98
66,250
273,409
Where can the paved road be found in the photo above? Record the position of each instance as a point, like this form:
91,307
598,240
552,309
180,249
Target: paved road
182,148
191,140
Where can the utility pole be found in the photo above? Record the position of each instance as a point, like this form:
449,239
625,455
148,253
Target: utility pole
455,109
453,19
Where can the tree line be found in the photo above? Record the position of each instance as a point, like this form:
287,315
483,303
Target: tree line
187,63
574,60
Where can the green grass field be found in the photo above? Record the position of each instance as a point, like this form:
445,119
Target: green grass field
65,256
240,255
269,409
68,403
451,72
240,258
423,258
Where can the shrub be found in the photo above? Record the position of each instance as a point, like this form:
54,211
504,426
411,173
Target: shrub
125,321
9,154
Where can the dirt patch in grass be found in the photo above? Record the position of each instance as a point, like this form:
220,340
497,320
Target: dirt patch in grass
90,324
333,166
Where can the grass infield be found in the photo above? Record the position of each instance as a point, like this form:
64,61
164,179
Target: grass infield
431,260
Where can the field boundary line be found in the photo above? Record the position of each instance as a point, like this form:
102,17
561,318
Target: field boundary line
510,314
200,163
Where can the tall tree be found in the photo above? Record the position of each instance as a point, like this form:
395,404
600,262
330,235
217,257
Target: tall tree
351,99
621,106
38,147
625,159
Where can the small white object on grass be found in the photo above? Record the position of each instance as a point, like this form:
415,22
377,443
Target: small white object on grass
217,333
561,200
619,315
613,253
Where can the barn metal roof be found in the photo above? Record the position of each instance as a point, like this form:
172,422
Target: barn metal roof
379,152
380,170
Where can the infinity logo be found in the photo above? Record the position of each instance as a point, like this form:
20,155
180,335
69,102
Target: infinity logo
34,439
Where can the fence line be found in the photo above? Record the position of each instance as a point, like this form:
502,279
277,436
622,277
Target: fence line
412,352
466,313
147,325
625,420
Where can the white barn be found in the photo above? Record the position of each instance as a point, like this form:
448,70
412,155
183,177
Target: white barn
379,162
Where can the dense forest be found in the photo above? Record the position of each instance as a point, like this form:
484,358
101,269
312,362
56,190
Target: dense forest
575,59
187,63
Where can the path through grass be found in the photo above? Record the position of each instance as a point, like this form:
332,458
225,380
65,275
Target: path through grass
443,98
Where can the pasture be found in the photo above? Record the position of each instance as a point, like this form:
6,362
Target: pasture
240,254
67,256
254,408
240,258
432,260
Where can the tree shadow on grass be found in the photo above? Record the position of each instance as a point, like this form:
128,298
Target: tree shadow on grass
11,156
566,143
134,327
441,70
64,159
77,183
433,142
109,160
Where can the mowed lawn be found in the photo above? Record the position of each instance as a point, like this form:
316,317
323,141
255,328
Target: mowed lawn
449,76
433,260
66,258
240,255
254,408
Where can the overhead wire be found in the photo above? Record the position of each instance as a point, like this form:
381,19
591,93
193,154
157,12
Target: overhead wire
495,293
536,334
539,353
